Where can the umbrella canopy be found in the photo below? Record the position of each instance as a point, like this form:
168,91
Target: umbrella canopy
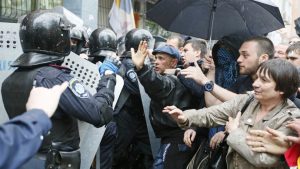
213,19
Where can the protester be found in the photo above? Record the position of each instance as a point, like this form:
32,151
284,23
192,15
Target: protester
276,81
21,137
163,90
193,50
293,54
224,73
280,51
175,41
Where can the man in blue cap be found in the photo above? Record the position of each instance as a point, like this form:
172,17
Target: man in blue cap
165,89
166,57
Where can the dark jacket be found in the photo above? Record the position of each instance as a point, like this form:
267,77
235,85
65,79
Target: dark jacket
75,103
130,98
165,90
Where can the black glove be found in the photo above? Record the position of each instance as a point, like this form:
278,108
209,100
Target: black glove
107,81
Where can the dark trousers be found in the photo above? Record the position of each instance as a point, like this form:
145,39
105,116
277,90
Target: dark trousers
125,143
174,154
132,141
107,145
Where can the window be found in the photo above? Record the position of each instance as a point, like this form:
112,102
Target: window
11,10
104,8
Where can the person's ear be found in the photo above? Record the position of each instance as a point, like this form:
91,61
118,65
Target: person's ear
262,58
174,62
198,54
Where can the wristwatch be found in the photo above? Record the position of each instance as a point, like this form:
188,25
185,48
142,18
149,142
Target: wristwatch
209,86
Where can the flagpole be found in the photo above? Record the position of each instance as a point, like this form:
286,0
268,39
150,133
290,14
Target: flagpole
143,9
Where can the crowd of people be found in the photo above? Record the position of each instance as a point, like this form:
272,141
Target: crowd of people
195,95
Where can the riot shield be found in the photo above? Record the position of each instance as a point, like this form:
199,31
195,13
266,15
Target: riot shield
10,49
90,136
154,141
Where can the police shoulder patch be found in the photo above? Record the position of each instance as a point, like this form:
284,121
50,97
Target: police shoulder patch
78,89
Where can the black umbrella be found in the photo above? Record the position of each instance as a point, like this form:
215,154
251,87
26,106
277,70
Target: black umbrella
213,19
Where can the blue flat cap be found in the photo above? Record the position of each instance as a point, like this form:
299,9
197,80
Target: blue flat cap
167,49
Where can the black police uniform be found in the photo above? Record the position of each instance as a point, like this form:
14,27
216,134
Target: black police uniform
39,66
128,136
125,142
131,125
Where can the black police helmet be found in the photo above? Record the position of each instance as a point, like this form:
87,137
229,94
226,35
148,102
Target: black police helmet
45,38
75,33
120,45
102,40
134,36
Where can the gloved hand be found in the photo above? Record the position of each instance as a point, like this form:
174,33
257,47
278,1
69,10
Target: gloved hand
110,63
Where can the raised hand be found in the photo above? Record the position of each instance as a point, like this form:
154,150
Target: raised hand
208,63
138,58
195,73
233,123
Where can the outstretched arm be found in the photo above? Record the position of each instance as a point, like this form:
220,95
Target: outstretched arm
218,92
176,114
21,137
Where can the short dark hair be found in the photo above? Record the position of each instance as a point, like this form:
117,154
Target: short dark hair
283,73
294,48
198,45
264,45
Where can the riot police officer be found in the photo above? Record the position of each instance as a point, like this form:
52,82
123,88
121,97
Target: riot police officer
132,147
45,40
103,44
78,40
